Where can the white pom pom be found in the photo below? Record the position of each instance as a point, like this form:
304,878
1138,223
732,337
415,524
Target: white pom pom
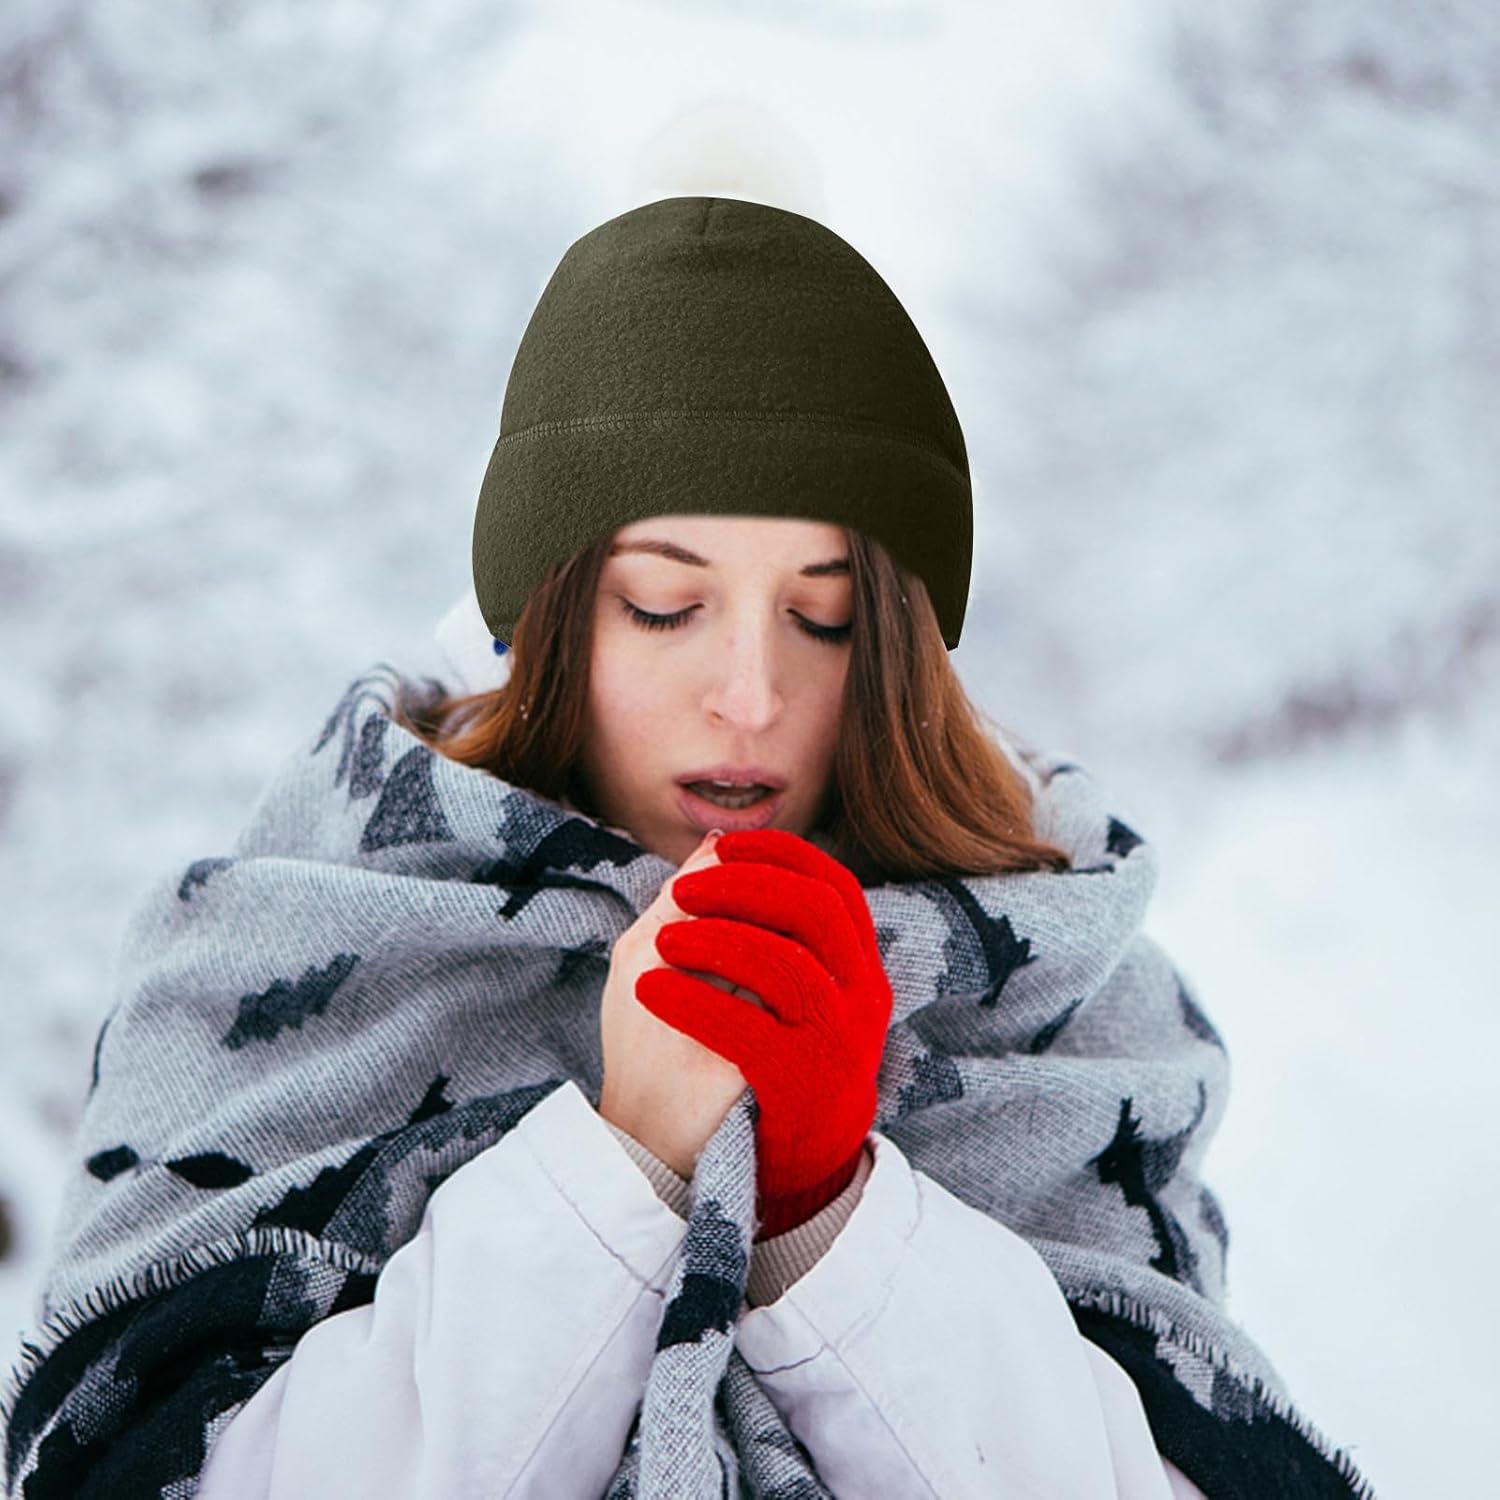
728,147
469,648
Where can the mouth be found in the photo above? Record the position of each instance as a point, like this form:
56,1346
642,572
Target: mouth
706,806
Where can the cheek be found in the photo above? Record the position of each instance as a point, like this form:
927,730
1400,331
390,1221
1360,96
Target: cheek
831,705
628,700
831,685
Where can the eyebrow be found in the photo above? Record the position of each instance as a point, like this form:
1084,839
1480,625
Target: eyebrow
681,554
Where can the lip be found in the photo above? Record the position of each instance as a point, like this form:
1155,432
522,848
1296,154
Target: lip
705,815
762,774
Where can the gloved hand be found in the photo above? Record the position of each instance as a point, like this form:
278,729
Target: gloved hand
788,922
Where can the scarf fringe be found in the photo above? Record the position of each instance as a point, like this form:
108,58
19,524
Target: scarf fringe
161,1276
1122,1305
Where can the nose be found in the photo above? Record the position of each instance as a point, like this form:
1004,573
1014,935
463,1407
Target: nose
744,689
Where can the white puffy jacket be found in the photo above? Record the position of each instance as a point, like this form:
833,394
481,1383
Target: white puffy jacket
506,1350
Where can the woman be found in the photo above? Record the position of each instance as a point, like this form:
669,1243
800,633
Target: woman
488,1122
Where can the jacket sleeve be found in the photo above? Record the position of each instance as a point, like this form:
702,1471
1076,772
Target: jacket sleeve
506,1349
930,1352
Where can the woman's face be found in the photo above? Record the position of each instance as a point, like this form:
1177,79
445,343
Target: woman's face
735,678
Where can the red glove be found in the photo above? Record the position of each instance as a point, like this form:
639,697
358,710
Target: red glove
788,922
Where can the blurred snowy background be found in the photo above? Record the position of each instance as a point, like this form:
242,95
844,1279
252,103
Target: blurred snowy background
1216,291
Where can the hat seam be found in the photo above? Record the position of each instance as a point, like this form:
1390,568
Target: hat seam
801,419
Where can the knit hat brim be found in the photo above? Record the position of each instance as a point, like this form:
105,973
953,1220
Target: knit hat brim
592,475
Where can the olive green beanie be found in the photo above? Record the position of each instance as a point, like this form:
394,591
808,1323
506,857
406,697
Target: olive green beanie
716,356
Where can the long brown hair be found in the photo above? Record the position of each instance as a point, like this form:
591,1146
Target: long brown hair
920,788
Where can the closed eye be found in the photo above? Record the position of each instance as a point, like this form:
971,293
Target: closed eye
833,634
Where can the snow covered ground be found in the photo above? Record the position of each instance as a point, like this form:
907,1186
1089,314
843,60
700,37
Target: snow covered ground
1217,294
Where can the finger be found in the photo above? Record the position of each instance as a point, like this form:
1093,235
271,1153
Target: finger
800,907
790,851
744,1034
787,977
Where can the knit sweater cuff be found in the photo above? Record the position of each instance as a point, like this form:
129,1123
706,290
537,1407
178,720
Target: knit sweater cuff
775,1263
783,1259
672,1189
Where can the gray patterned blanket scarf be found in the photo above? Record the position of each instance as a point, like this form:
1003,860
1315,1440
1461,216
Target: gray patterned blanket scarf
407,954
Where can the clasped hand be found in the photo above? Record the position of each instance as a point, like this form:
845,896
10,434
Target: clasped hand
783,919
